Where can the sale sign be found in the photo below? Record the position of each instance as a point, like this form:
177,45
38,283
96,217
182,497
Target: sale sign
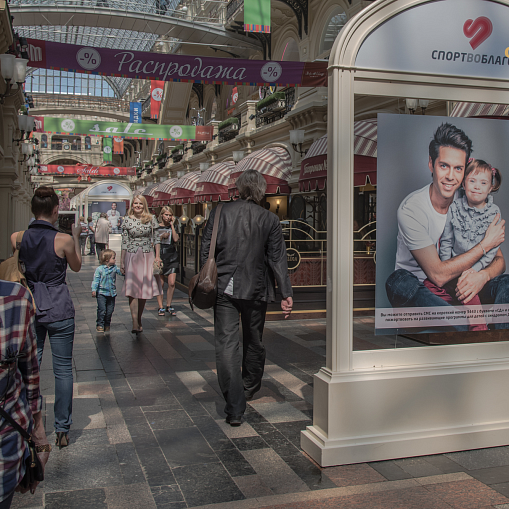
156,97
118,145
87,169
53,125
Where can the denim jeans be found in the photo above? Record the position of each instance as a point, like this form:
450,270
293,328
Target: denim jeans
235,383
61,338
105,308
405,290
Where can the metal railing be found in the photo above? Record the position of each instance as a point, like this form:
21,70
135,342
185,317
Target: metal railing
80,102
232,8
230,131
268,115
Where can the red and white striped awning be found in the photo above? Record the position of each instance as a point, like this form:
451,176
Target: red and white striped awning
480,110
162,192
136,192
274,163
313,169
150,190
183,190
213,183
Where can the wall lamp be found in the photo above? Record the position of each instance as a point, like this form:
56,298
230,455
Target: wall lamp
413,104
14,71
198,220
297,139
183,220
26,125
238,155
278,202
204,167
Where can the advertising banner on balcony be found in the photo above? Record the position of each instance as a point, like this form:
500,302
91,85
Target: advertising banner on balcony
440,246
156,98
257,16
118,145
135,113
107,149
86,169
69,126
170,67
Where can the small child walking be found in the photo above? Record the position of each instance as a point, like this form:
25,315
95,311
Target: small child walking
104,288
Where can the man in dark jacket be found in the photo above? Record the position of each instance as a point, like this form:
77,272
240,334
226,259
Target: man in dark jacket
250,256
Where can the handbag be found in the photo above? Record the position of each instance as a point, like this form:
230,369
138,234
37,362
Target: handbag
157,268
203,286
34,471
13,270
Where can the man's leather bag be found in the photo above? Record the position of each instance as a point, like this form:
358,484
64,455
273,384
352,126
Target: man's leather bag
203,286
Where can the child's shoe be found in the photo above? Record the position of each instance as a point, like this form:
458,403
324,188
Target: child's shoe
99,329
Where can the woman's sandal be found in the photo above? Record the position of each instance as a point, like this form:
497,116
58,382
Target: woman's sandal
161,312
171,311
62,439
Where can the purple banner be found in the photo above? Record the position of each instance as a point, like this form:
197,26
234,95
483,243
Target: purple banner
185,68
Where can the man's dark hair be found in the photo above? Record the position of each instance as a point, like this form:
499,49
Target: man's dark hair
44,201
448,135
251,186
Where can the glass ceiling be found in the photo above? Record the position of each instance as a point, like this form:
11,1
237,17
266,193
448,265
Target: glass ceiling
91,36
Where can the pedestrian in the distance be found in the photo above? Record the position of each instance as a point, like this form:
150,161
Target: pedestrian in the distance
104,287
250,256
91,235
102,234
83,235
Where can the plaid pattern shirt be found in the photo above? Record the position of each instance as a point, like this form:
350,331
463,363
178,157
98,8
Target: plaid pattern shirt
105,278
19,380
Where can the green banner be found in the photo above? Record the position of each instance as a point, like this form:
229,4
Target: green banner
107,149
257,16
125,130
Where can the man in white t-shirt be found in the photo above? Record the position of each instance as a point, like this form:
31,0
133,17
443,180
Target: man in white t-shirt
113,217
421,221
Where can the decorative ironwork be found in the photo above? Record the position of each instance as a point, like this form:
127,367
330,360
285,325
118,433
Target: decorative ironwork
300,8
198,146
232,8
198,90
230,131
276,110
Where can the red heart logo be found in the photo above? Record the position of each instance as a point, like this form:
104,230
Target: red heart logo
110,188
478,30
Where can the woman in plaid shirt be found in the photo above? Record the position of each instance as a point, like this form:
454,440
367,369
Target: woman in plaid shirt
19,388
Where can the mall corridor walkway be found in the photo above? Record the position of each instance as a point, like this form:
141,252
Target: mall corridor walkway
149,429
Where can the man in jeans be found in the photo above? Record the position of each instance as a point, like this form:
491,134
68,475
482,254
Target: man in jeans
250,256
421,221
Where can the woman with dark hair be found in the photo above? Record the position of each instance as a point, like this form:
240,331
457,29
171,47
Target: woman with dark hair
45,254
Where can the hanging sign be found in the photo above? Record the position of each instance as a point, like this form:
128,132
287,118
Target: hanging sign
87,169
135,113
42,179
453,37
257,16
118,145
69,126
107,149
156,97
170,67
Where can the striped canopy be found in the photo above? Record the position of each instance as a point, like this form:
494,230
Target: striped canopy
213,183
274,163
162,192
313,170
136,192
480,110
183,190
150,190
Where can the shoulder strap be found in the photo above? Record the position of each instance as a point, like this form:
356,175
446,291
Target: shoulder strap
14,424
212,249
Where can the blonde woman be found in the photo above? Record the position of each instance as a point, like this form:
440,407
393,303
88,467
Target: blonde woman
170,257
139,238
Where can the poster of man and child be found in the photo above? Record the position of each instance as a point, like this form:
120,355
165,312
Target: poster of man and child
442,203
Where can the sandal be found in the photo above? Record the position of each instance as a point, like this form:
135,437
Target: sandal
161,312
171,311
62,439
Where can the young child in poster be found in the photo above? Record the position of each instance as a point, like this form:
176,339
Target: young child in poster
468,218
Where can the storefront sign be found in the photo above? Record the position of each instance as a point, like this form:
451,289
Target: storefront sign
133,131
419,272
156,97
109,190
55,169
293,258
459,37
42,179
135,113
170,67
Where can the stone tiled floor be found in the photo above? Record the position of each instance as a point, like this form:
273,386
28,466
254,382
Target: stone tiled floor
149,428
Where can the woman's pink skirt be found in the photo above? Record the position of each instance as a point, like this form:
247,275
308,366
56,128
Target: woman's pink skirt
140,282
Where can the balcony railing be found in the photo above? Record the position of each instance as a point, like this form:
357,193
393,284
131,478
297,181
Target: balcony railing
80,102
198,146
277,109
229,132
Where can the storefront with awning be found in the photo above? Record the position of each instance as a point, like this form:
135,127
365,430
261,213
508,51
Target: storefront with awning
162,192
212,186
183,191
274,163
148,193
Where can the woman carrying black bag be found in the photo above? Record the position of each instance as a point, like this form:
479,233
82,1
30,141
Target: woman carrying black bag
170,257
